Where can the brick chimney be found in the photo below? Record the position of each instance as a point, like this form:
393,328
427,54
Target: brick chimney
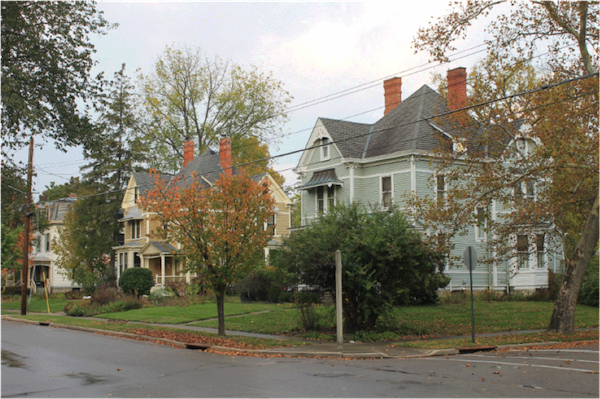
457,88
393,93
188,152
225,155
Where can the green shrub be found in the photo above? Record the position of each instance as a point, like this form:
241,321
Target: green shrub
74,294
83,310
309,317
136,281
105,294
588,295
286,297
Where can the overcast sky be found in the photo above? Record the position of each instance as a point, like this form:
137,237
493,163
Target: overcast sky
315,49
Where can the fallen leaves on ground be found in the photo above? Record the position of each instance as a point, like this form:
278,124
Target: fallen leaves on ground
193,338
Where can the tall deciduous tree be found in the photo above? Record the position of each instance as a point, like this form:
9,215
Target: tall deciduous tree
562,167
220,228
189,96
46,66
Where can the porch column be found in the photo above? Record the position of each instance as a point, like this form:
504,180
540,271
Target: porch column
142,263
173,267
188,278
162,268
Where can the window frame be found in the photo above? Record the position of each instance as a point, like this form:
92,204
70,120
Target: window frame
523,254
325,153
325,201
136,229
480,224
384,193
440,194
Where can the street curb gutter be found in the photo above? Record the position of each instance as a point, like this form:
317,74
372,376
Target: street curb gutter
98,331
225,349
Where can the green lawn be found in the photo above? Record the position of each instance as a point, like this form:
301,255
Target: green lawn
440,320
282,319
489,317
37,305
186,314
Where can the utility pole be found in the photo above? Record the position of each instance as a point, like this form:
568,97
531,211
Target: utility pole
25,269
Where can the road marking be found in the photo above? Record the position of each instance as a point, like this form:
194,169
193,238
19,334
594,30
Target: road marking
543,358
516,364
565,350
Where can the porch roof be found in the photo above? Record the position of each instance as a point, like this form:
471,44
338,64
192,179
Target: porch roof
322,178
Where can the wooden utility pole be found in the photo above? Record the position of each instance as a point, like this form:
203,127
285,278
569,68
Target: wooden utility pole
338,298
25,269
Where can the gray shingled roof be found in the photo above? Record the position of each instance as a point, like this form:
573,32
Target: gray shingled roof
349,137
406,127
58,209
207,165
163,246
409,126
145,181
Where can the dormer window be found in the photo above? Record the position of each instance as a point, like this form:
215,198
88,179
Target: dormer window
459,145
325,148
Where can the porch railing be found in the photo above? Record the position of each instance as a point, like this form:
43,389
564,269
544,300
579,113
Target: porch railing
159,281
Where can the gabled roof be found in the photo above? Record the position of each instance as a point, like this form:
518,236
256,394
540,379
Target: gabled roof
406,127
348,137
415,124
145,181
207,167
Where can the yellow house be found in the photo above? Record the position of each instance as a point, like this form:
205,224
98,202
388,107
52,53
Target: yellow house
141,249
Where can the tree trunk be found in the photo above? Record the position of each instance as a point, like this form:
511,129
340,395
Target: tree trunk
563,315
221,310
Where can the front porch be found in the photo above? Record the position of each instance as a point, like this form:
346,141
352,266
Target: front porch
159,258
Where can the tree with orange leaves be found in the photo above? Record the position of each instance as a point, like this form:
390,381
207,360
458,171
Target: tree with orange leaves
220,228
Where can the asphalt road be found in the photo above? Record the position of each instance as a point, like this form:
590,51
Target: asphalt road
49,362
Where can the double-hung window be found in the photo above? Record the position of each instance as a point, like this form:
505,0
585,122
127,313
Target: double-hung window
481,225
325,198
541,261
386,191
136,228
47,237
440,187
522,252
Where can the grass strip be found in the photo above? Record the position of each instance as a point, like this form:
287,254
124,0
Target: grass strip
185,314
37,305
281,320
512,339
177,334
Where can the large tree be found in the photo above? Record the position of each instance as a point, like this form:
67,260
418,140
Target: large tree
554,182
190,97
220,228
87,236
112,151
46,66
384,262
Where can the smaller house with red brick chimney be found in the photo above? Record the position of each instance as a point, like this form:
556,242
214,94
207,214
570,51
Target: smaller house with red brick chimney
142,249
376,164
